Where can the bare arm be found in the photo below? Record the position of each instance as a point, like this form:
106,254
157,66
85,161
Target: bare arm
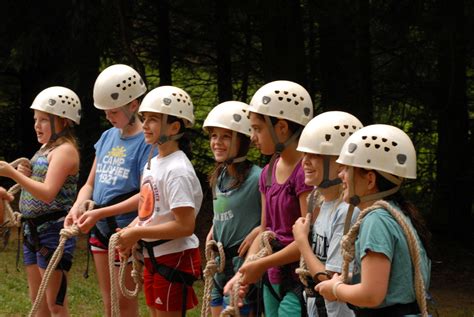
63,161
370,292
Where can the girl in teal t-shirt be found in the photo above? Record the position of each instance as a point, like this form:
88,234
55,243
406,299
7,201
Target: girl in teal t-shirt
377,159
237,204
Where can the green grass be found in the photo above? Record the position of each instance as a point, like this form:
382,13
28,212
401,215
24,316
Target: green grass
84,294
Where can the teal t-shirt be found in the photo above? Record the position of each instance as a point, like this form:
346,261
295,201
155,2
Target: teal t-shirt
237,211
380,232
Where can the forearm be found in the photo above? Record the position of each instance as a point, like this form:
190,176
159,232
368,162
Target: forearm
84,194
288,254
122,207
39,190
312,262
357,295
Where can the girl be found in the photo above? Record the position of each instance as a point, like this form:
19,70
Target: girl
47,196
321,141
278,112
237,204
377,158
170,198
115,174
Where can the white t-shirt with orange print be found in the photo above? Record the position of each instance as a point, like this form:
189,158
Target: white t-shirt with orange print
171,182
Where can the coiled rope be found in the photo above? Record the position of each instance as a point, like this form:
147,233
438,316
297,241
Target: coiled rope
13,218
348,249
65,234
209,271
265,250
137,270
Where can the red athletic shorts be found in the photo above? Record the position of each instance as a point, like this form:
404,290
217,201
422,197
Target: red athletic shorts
164,295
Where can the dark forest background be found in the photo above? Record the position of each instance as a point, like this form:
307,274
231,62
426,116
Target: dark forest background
409,63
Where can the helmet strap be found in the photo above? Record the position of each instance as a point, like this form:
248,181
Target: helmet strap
279,147
326,182
230,160
356,200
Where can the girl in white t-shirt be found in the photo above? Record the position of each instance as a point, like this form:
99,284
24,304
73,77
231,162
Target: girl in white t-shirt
170,198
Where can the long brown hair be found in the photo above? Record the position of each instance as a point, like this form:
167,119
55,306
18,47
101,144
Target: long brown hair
407,208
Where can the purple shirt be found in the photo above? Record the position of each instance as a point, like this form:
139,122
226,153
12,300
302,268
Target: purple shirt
282,207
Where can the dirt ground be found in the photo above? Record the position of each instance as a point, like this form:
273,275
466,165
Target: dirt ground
452,278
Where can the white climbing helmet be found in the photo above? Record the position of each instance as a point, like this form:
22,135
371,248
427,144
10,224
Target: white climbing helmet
380,147
232,115
283,99
169,100
59,101
116,86
326,133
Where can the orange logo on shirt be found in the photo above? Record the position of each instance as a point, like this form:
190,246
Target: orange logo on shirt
146,205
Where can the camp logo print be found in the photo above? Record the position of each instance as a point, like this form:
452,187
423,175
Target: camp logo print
146,204
111,167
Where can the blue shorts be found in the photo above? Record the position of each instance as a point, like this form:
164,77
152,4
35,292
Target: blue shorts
220,279
49,240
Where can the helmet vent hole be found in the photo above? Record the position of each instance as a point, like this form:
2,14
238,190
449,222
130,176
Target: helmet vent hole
129,85
367,144
285,92
277,92
343,133
174,94
179,100
266,100
63,101
181,95
180,111
67,97
386,149
114,96
124,88
346,126
364,137
280,98
374,137
237,117
384,140
130,96
294,95
368,161
64,112
134,76
354,127
134,82
394,143
337,127
301,98
51,102
327,137
401,158
141,81
377,146
350,133
306,111
129,78
288,99
124,81
281,111
60,96
296,103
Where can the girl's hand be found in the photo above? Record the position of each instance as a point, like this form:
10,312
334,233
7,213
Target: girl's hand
245,245
301,229
6,169
127,240
251,272
24,168
87,221
325,288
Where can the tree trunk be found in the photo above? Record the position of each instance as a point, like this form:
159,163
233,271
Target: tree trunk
223,49
453,199
164,42
345,57
283,41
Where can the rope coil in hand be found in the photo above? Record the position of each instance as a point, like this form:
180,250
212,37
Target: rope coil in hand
65,234
210,270
136,273
348,249
13,218
265,250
